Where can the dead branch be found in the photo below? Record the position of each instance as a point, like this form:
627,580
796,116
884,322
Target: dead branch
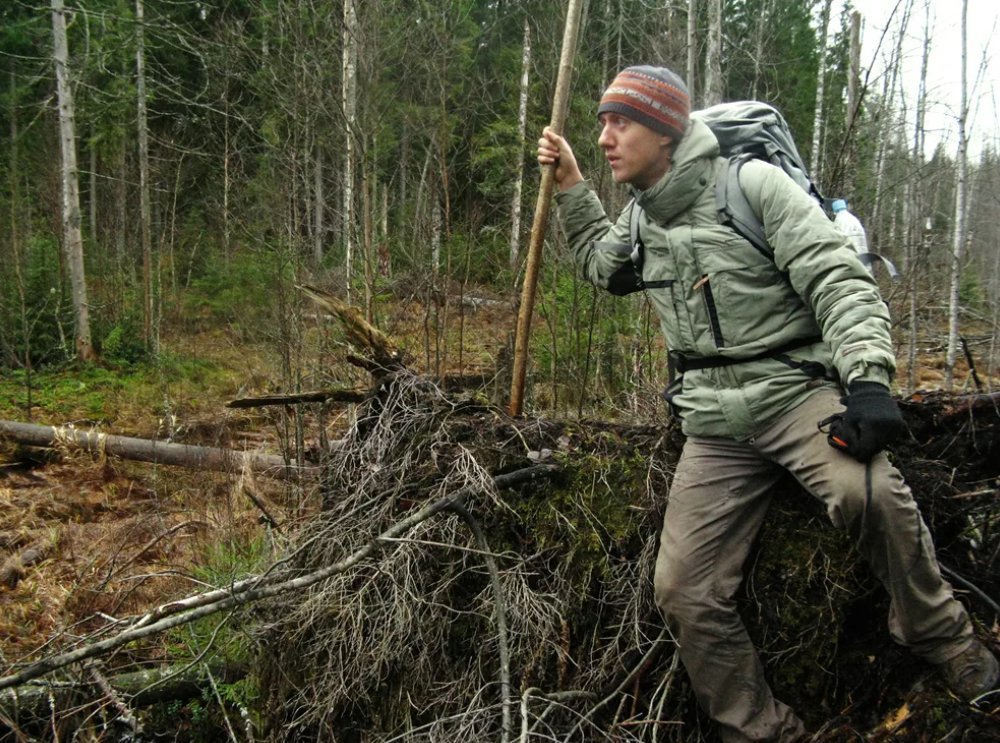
146,450
501,616
192,608
384,352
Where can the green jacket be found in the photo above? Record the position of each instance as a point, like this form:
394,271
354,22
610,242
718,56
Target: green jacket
716,295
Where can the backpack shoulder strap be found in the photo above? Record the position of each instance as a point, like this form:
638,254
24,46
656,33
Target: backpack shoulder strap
733,208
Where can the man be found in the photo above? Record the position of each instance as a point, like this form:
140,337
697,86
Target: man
766,349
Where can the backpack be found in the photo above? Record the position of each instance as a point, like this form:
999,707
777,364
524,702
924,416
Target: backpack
749,130
746,130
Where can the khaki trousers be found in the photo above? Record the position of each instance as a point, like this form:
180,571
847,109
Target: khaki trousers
718,499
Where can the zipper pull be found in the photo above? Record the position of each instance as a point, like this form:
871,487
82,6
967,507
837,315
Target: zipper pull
700,283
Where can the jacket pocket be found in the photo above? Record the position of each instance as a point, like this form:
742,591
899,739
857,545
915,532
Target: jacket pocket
745,297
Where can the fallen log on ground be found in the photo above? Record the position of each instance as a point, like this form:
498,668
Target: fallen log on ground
350,396
146,450
28,704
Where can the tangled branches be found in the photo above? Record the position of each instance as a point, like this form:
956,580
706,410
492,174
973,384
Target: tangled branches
426,640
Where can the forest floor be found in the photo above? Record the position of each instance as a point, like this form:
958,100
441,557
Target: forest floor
85,538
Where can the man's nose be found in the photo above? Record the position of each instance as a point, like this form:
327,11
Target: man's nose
604,138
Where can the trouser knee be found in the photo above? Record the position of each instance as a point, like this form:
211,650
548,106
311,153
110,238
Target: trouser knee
678,599
870,497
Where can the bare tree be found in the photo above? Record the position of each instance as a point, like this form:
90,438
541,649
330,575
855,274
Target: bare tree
814,161
72,234
958,241
692,44
145,217
887,123
522,123
713,55
349,94
915,204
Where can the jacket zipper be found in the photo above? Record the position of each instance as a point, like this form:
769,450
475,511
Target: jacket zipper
713,314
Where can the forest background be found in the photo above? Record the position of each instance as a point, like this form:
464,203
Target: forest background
200,154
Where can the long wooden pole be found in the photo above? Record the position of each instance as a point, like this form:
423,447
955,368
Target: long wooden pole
560,104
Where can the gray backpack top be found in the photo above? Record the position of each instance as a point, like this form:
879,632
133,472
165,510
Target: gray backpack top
749,130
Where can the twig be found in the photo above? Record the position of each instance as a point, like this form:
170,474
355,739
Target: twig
553,696
127,716
491,566
640,667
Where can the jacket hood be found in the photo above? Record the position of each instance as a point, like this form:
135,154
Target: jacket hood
691,171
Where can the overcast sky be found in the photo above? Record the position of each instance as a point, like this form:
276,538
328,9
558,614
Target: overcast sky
944,66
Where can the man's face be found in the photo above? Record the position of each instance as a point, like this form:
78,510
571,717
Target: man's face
636,153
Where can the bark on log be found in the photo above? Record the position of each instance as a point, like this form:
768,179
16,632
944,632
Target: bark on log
146,450
25,704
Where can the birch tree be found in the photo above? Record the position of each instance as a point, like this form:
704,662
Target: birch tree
71,217
887,124
713,54
349,100
958,241
145,216
692,46
911,264
522,123
815,161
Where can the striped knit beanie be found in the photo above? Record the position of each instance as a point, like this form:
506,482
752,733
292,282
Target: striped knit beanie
653,96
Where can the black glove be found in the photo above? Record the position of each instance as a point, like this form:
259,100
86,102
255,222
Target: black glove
870,423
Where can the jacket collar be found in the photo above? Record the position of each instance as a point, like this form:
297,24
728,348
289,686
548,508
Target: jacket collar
689,174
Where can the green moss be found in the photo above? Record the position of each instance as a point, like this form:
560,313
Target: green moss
591,510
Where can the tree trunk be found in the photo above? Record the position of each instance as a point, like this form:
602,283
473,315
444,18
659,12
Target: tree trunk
915,244
72,235
692,47
958,243
887,123
815,160
853,100
522,123
143,688
349,97
319,208
713,54
145,216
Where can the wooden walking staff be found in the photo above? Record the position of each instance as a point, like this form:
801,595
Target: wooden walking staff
560,103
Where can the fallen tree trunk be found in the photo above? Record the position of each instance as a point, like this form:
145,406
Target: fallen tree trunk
354,396
138,688
146,450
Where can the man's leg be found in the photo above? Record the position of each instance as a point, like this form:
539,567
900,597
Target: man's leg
718,499
873,503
